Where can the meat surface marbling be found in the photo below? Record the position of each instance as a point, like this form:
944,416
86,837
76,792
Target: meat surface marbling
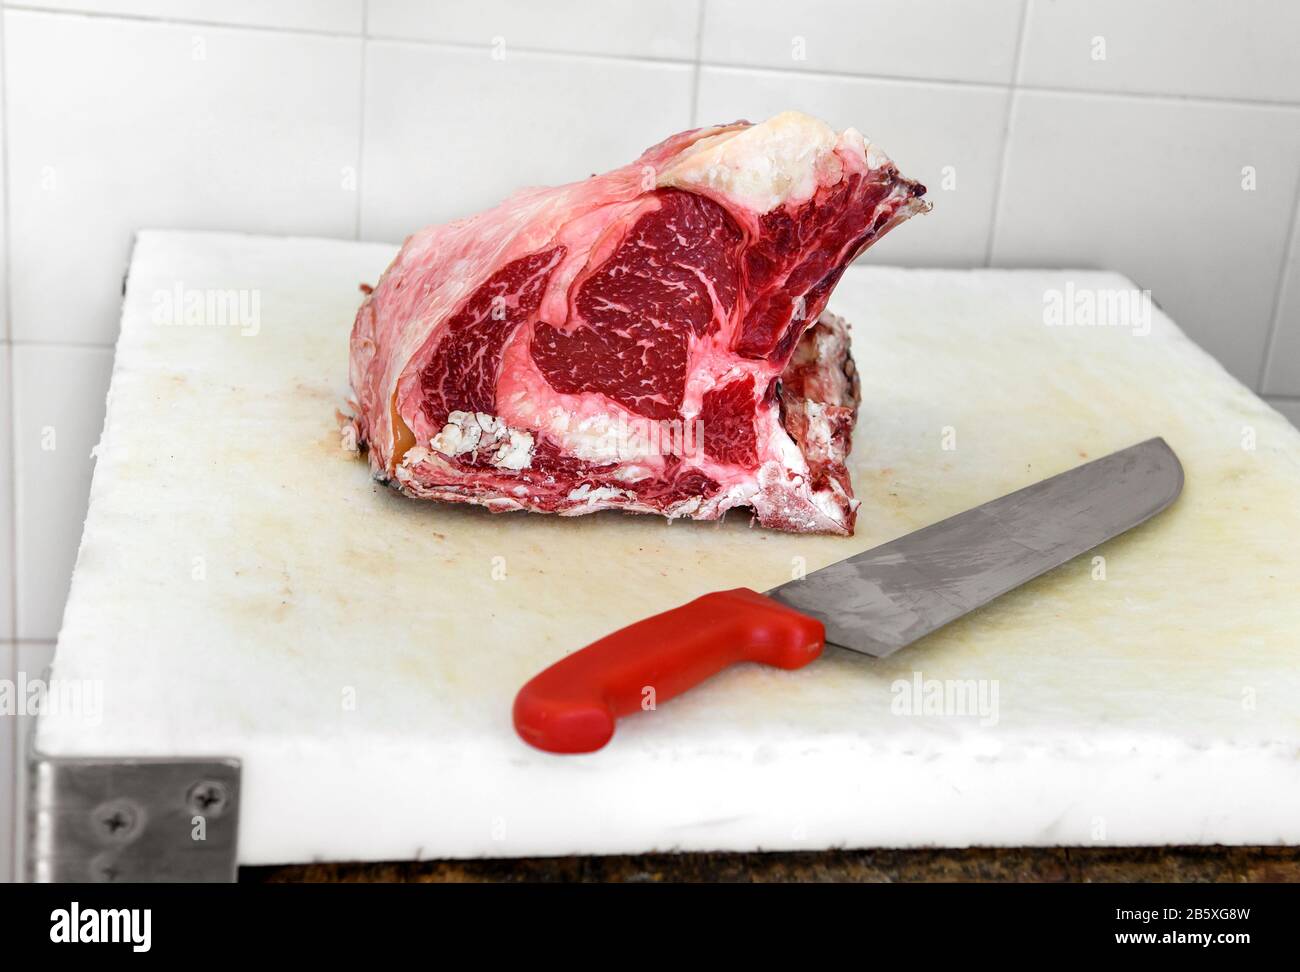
651,339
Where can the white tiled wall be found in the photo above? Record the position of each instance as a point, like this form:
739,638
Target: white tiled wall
1202,48
1153,188
114,124
622,28
1115,133
429,135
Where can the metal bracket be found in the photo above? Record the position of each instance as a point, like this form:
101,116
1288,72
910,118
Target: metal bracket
107,819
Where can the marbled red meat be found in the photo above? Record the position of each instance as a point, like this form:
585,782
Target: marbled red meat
650,340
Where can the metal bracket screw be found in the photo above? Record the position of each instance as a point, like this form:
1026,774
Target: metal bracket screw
117,821
208,798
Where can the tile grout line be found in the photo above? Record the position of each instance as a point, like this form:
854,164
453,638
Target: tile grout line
11,527
961,84
1003,158
690,62
699,53
545,52
361,119
175,21
1274,322
968,84
1187,99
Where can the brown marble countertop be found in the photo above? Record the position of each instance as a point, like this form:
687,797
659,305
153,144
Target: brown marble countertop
1055,864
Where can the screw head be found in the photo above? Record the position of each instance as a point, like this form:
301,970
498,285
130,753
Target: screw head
208,798
117,821
104,868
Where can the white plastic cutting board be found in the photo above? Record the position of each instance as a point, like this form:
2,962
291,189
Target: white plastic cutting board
243,589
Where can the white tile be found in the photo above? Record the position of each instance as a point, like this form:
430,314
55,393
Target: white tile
335,16
1282,374
1154,189
117,125
451,131
9,733
6,499
665,28
1246,49
4,229
946,136
936,39
59,395
1290,407
33,658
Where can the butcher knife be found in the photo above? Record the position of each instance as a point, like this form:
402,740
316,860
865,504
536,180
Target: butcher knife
875,602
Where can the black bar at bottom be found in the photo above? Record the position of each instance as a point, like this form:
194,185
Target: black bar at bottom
598,923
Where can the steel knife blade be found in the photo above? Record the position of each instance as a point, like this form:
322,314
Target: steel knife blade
885,598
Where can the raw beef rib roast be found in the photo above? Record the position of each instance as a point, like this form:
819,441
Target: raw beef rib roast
650,340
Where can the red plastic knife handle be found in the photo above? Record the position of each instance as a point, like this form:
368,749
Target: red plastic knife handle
571,707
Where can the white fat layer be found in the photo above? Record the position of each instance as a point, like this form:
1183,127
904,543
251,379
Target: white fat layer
825,501
592,438
791,461
516,452
471,431
607,437
780,160
632,473
461,434
819,427
585,493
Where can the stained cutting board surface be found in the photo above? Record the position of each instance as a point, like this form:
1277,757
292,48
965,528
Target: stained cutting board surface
244,589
